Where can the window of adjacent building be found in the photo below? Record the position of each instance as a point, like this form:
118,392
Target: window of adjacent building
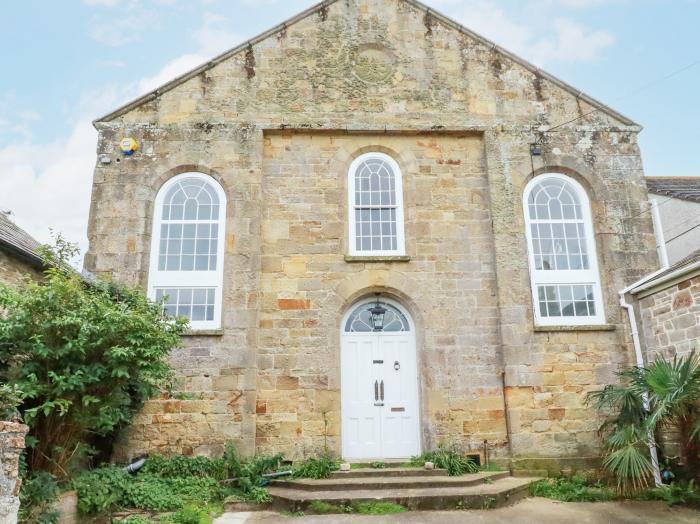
562,253
375,203
186,269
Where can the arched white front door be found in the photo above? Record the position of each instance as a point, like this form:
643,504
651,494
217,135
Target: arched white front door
379,384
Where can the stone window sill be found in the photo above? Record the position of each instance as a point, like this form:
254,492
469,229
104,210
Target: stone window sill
596,327
381,258
204,333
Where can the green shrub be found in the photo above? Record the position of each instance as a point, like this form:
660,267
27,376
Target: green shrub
84,357
249,474
109,488
10,398
686,494
572,489
181,466
39,491
663,396
316,468
193,514
448,458
101,489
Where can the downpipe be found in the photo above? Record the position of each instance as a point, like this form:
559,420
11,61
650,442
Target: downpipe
645,396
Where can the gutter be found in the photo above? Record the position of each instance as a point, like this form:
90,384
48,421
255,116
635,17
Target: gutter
680,272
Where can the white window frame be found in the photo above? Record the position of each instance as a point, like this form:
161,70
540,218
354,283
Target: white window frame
590,276
398,189
186,279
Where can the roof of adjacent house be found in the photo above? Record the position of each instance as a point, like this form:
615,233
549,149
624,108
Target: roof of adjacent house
20,243
678,271
321,6
683,188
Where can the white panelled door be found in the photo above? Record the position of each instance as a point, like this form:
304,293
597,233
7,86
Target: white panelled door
379,386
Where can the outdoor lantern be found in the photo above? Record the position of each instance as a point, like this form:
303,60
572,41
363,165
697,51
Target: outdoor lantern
377,313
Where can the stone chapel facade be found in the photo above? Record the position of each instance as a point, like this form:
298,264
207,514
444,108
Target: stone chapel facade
375,155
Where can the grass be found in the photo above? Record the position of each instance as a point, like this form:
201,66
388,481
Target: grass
378,508
320,507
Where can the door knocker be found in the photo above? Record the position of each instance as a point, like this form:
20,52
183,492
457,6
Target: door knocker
397,366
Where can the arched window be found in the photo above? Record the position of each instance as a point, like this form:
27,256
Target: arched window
562,253
375,203
187,249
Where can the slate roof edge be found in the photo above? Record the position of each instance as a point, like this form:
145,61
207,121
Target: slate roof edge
676,273
151,95
30,257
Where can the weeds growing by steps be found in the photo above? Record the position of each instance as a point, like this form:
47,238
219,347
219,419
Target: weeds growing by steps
316,468
186,485
585,488
572,489
448,458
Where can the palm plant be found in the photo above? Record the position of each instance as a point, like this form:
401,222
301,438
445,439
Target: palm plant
663,397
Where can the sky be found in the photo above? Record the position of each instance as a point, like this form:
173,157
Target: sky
68,62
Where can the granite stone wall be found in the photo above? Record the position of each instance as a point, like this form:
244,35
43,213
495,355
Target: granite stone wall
671,320
278,124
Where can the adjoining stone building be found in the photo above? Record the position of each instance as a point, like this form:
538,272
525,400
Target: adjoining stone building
19,256
670,309
375,155
678,202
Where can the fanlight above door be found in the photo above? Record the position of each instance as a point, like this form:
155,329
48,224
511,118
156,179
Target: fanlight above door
360,320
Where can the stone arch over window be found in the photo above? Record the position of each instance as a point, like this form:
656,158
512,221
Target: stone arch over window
562,252
187,247
375,205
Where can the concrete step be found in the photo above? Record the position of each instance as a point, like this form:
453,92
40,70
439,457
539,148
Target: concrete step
485,495
377,481
389,472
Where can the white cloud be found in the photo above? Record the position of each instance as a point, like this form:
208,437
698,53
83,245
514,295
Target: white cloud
48,186
172,69
212,37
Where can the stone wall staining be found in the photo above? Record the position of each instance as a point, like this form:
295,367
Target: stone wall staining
11,445
278,125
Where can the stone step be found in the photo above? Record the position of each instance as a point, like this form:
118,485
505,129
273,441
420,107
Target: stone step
389,472
489,495
339,483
